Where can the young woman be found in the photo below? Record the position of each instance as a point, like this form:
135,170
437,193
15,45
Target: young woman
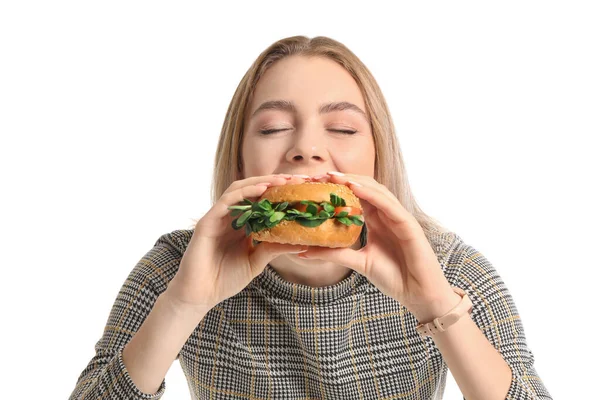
268,322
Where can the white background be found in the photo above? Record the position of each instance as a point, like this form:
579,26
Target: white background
110,113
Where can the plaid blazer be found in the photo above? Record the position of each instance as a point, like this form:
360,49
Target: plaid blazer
279,340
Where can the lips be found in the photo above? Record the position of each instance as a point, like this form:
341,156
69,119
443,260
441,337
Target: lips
308,177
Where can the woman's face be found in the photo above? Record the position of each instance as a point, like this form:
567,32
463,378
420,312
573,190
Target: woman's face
314,98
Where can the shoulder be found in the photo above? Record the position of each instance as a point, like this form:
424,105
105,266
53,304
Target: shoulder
444,244
454,254
160,264
466,267
177,240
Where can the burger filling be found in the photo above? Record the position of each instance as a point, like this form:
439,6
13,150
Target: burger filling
256,216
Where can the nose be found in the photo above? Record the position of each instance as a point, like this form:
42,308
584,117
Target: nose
314,153
307,147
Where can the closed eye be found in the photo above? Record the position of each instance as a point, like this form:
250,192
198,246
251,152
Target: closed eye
270,131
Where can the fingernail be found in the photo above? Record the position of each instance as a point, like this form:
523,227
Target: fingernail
354,183
319,176
264,184
298,252
335,173
301,176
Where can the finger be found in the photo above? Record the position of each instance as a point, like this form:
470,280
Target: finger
353,259
279,179
402,223
390,205
251,192
364,181
376,194
319,178
265,252
220,209
296,180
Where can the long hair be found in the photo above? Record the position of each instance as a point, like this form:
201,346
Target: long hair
389,164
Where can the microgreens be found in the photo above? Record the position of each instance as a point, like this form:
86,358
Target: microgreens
255,216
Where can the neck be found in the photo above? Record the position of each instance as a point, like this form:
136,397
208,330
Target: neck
314,273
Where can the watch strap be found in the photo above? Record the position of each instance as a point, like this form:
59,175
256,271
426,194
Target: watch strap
442,323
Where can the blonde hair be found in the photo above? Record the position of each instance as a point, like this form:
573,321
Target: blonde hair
228,160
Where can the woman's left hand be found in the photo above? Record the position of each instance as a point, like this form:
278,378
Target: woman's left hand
398,258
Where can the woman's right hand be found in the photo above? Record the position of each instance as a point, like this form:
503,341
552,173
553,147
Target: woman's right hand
219,261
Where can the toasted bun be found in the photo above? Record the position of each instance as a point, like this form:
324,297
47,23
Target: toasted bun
313,191
330,233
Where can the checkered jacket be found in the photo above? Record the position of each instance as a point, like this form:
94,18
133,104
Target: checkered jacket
279,340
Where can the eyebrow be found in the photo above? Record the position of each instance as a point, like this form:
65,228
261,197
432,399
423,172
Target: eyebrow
288,106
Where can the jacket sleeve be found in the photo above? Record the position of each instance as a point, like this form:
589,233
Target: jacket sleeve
105,375
496,315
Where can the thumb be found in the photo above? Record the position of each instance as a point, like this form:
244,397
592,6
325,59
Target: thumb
265,252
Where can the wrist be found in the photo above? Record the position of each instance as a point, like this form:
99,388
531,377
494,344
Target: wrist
437,307
185,310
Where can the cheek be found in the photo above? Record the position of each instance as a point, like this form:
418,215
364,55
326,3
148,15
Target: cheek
259,159
356,158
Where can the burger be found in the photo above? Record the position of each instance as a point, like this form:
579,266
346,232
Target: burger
310,213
